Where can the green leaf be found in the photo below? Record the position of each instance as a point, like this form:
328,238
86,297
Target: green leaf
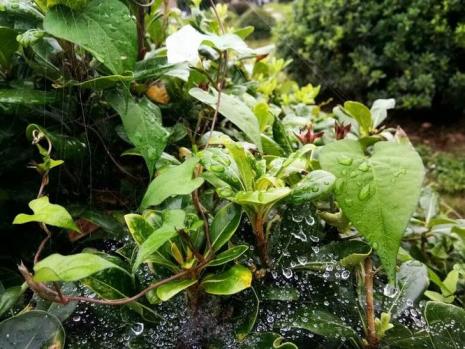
173,181
224,225
8,47
139,228
105,28
322,323
228,255
236,111
74,4
250,307
57,267
412,280
244,161
172,288
312,186
229,282
142,123
26,96
47,213
261,198
10,296
281,137
446,325
378,193
32,329
360,113
173,221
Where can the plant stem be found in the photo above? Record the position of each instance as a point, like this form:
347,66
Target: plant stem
371,337
140,18
262,242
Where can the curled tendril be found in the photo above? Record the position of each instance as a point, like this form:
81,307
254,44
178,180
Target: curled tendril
142,4
37,136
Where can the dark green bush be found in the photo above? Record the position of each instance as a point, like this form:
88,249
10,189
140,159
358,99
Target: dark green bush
261,20
411,50
239,7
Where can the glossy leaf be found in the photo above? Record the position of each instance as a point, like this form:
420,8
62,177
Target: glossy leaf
243,160
412,280
322,323
47,213
360,113
377,193
446,325
254,198
224,225
236,111
229,282
172,288
312,186
228,255
173,181
173,221
57,267
32,329
110,38
142,123
139,228
26,96
10,296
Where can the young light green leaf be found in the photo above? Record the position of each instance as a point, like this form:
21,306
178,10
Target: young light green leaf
139,228
47,213
312,186
229,282
172,288
243,160
110,38
254,198
360,113
228,255
378,193
236,111
173,181
142,123
32,329
224,225
57,267
172,222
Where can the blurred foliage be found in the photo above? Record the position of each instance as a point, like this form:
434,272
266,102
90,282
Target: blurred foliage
261,20
413,51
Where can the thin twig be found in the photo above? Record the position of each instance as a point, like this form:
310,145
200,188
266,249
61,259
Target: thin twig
201,211
42,243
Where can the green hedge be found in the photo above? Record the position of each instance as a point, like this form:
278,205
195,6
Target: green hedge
261,20
411,50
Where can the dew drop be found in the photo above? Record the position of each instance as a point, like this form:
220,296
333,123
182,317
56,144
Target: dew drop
345,160
390,291
138,328
364,193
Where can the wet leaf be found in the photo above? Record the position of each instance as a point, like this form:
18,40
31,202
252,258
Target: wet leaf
378,193
224,225
103,27
236,111
229,282
314,185
47,213
33,329
177,180
57,267
228,255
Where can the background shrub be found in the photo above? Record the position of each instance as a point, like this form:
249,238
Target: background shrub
261,20
411,50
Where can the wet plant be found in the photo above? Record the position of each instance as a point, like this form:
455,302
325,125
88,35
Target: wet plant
240,214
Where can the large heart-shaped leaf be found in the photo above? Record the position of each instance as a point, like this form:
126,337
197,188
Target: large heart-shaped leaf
57,267
142,123
236,111
47,213
33,329
173,181
229,282
105,28
378,193
311,187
